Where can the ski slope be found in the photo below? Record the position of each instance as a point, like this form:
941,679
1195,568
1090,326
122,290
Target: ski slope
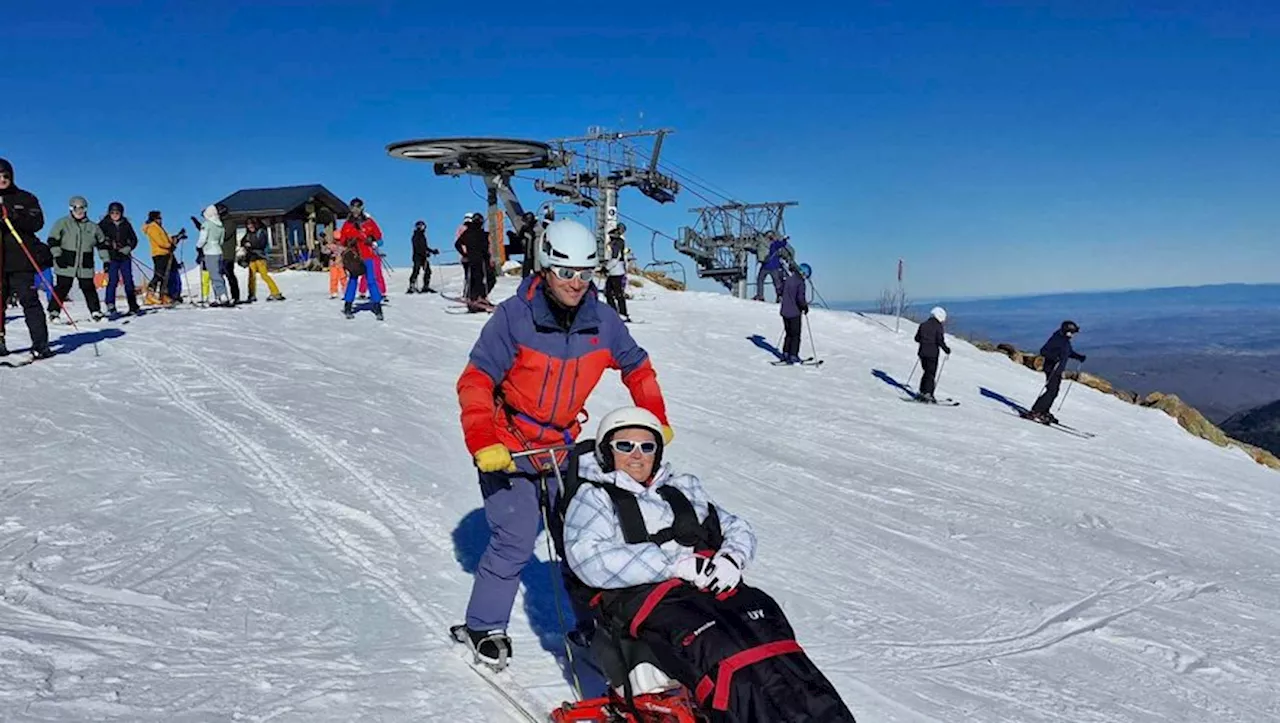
267,514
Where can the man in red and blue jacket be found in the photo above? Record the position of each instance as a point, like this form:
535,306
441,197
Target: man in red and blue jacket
361,232
525,388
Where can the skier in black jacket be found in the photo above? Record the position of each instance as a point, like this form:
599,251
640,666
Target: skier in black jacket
422,254
1056,352
931,336
20,211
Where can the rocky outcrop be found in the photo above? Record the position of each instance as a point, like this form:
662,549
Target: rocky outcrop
1259,426
1189,418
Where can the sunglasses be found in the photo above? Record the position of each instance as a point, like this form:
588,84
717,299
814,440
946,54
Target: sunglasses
79,208
6,175
567,274
626,446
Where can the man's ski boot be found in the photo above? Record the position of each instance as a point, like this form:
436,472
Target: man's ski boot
492,648
275,297
53,317
97,316
377,311
43,352
347,311
926,398
411,290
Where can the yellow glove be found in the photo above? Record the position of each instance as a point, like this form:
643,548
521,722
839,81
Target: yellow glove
668,434
495,458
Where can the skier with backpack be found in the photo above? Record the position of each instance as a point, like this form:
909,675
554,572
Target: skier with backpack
525,388
931,336
1057,351
662,566
358,236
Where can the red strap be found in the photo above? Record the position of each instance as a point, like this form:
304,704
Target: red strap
733,663
650,603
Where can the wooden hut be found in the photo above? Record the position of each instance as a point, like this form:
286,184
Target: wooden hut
294,216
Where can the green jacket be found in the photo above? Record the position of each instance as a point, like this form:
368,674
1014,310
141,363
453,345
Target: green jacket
74,244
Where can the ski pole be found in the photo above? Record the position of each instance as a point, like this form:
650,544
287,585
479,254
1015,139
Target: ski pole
545,503
1068,391
913,371
52,292
940,368
812,346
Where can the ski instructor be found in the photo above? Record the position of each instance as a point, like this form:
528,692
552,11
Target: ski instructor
525,388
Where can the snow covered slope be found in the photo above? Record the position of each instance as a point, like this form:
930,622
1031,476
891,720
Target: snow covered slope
267,513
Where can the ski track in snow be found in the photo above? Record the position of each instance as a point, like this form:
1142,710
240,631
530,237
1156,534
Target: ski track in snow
265,514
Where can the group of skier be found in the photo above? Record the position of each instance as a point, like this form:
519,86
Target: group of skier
1056,352
654,568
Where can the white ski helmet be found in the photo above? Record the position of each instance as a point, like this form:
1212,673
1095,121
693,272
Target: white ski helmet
939,313
568,243
623,418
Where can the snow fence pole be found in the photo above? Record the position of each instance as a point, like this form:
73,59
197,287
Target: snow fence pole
1068,391
545,503
52,291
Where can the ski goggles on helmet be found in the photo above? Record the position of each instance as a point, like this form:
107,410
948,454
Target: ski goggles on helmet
627,446
567,274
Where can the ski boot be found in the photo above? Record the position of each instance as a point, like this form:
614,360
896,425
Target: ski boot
411,290
97,316
276,297
4,350
492,648
347,311
43,352
377,311
53,317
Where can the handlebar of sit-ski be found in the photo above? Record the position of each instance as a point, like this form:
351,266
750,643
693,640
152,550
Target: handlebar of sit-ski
542,450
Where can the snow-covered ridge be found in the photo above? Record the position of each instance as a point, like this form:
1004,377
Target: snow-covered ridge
267,513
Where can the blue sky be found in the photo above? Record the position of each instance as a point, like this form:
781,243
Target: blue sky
1000,147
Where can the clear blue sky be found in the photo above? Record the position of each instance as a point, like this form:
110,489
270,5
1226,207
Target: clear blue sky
1000,147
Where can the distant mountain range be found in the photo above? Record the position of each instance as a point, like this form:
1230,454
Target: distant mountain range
1259,426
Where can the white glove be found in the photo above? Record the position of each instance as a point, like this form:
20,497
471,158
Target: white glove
691,568
723,574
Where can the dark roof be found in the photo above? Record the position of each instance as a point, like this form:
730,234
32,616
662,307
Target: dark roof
282,201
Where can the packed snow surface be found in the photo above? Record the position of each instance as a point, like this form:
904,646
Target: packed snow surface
267,513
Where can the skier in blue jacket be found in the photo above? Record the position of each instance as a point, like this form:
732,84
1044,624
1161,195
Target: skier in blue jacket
794,305
1057,352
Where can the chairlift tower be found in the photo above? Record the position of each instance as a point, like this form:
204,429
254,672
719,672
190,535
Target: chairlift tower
727,235
595,167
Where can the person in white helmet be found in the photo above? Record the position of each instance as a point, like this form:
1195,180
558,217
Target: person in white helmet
661,564
932,338
525,388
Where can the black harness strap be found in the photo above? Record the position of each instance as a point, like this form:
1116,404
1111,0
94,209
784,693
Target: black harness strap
685,529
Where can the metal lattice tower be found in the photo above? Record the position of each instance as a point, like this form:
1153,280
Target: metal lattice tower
598,165
726,236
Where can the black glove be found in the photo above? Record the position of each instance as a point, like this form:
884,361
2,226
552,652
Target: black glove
1082,357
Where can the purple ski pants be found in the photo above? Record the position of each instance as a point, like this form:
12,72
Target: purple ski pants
511,508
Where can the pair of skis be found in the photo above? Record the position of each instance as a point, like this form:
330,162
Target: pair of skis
808,362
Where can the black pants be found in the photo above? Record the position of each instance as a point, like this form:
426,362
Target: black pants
791,342
476,280
22,283
490,277
691,634
420,263
161,270
1053,380
615,292
228,269
63,287
928,374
